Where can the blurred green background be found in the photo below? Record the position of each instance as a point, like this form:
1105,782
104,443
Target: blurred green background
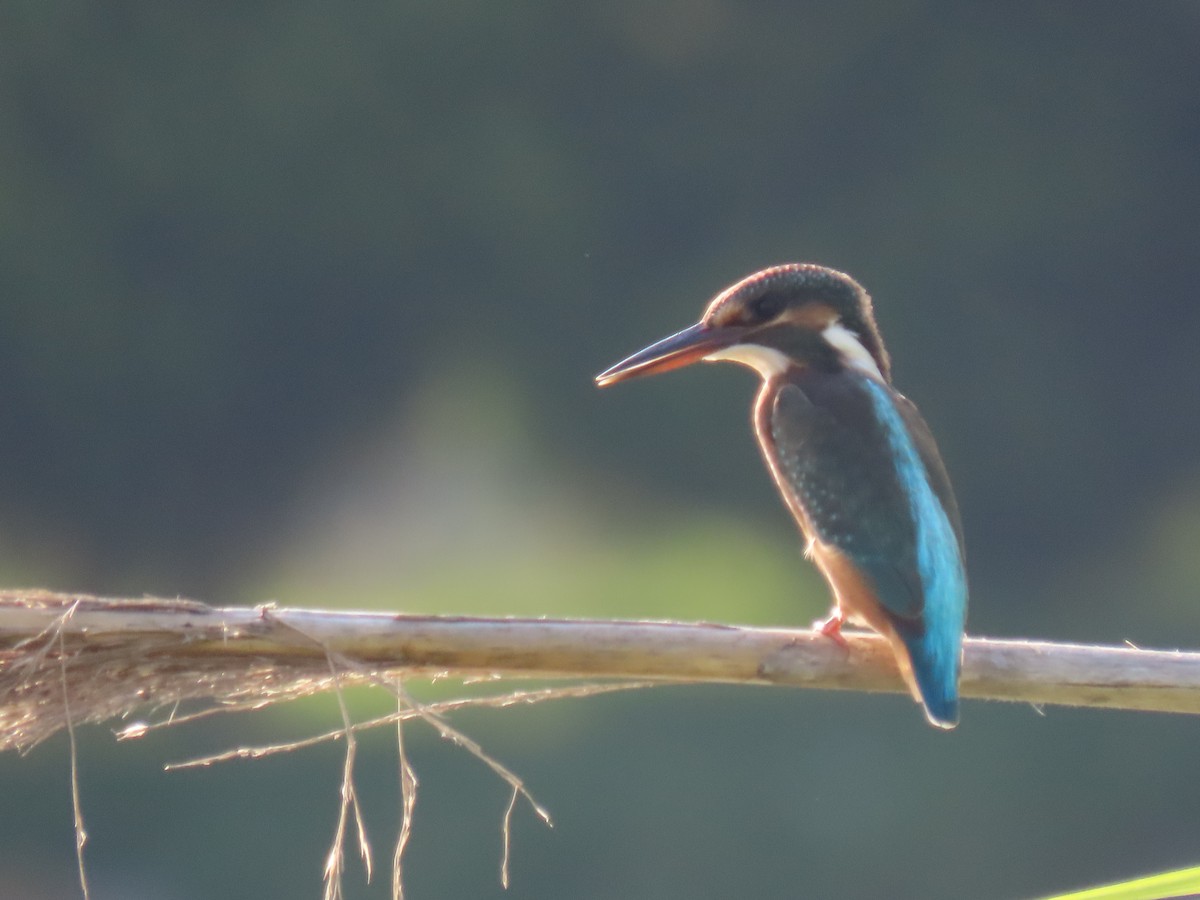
302,302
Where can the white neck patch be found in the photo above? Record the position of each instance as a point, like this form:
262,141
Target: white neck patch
854,355
764,360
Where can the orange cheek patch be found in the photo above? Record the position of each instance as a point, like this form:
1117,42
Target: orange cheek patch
813,316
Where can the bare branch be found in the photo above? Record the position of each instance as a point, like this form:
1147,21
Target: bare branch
119,655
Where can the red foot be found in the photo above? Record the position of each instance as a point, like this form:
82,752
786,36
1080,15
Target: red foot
832,628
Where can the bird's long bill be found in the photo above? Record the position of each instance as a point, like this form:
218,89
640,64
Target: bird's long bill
681,349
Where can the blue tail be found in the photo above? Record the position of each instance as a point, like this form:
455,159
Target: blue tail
935,666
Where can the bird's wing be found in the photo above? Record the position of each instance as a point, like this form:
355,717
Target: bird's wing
939,481
834,464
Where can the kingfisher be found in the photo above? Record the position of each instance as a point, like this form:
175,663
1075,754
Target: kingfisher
853,458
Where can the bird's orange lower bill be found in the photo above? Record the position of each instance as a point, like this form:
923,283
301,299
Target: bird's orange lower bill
674,352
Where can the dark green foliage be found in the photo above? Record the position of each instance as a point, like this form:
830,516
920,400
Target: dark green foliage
235,238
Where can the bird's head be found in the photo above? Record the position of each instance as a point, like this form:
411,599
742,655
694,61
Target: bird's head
796,315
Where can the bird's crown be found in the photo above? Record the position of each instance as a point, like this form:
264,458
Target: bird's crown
800,295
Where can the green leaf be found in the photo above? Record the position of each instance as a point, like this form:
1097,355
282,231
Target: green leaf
1180,883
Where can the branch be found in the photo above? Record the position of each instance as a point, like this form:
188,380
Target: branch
121,654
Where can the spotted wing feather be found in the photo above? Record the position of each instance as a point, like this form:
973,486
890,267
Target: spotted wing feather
834,464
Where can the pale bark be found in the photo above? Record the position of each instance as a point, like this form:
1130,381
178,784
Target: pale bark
114,655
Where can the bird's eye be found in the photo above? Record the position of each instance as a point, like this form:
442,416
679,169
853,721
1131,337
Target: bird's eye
767,307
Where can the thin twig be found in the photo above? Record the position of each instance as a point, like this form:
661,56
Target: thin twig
337,663
335,863
449,732
76,804
506,837
408,802
460,739
497,701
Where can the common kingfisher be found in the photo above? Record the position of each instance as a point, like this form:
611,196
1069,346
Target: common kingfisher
854,460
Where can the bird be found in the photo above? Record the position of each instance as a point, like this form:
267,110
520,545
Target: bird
853,458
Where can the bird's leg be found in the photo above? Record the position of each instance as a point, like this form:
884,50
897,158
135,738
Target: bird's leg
832,627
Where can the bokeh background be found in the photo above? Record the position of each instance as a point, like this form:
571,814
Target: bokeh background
301,302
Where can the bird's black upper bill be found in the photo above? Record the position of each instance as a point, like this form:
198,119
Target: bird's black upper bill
678,350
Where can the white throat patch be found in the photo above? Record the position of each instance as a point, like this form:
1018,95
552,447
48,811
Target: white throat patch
764,360
854,354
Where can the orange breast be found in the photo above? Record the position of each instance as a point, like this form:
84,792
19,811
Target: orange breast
856,598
